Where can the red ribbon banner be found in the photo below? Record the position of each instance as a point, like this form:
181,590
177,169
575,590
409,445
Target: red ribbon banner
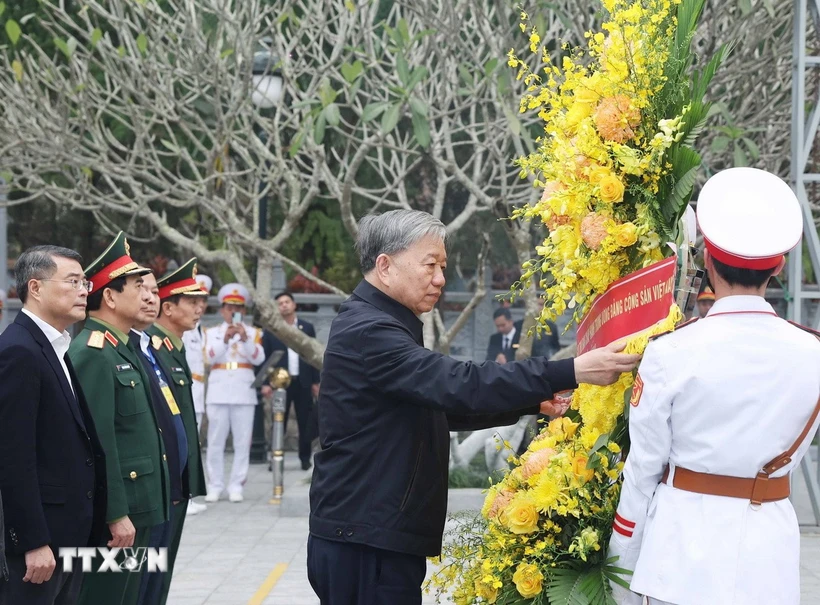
630,305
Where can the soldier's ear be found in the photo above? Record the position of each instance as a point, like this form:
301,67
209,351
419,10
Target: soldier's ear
108,298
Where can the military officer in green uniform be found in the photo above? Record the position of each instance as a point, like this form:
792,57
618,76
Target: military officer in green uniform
116,388
180,295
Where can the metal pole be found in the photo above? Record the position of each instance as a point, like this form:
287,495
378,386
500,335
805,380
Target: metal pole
278,444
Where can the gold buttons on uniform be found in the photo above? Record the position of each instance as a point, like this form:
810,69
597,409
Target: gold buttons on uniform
164,457
133,475
133,384
181,382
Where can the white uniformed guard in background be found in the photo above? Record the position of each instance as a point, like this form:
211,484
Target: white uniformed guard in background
232,349
722,411
195,353
194,341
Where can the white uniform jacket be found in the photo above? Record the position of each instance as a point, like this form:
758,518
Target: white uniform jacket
723,395
232,384
194,341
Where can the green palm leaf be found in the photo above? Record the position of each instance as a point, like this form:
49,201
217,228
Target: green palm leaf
579,585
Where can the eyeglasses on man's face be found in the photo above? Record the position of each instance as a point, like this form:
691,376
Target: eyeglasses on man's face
76,284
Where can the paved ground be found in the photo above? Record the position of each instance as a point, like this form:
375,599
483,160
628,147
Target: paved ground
250,554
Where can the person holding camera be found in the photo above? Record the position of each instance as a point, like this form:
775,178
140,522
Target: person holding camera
232,349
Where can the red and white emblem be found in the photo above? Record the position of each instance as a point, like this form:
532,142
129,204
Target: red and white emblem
637,391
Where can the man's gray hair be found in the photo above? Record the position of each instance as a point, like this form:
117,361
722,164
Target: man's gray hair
38,263
393,232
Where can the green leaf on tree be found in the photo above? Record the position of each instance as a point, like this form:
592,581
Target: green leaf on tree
418,106
142,43
402,68
17,68
96,36
296,143
391,118
351,72
417,76
404,30
61,44
373,111
319,129
331,113
421,129
13,31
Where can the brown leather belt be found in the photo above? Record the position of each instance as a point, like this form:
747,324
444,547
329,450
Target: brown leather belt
758,490
198,377
232,365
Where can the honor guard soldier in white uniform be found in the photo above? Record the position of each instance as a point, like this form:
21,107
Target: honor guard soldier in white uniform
722,411
232,349
195,352
194,341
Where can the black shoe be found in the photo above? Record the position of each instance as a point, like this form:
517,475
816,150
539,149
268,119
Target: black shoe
305,465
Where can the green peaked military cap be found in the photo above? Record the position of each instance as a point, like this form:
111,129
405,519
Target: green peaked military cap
114,262
180,281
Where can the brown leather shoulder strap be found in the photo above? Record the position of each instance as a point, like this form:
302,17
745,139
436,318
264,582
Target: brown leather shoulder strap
786,457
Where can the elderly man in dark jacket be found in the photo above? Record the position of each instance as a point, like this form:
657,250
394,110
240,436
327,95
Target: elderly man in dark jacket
379,491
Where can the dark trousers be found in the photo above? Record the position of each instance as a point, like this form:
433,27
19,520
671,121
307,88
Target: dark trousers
151,582
344,573
303,404
114,588
62,589
178,512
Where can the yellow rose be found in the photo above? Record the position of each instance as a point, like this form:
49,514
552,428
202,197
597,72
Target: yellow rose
626,235
488,593
597,173
579,467
528,579
612,189
520,516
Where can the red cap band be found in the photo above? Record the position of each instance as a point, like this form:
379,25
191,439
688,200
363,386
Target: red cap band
102,279
741,262
168,290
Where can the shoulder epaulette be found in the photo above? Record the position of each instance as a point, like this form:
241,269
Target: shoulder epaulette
156,342
683,325
96,340
805,329
111,338
168,344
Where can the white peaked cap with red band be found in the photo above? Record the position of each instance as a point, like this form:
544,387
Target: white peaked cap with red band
234,294
205,282
749,218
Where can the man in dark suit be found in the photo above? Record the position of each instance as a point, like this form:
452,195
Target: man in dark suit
378,498
304,386
504,342
52,467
